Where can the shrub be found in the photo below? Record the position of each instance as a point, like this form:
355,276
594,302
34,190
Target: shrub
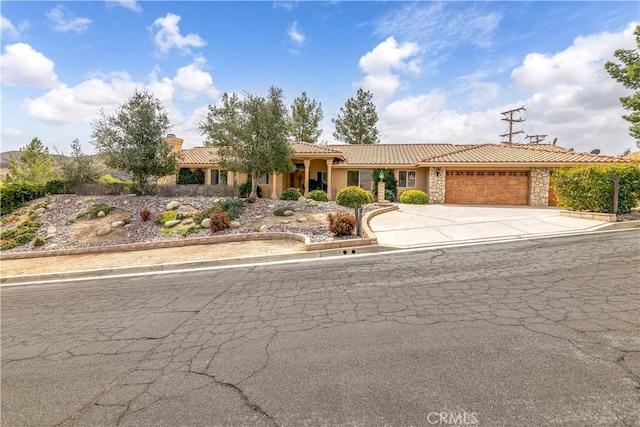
219,221
318,196
24,232
58,186
165,216
341,224
38,242
590,188
145,214
186,177
93,210
353,197
234,207
195,229
14,196
290,194
414,197
282,210
390,184
245,189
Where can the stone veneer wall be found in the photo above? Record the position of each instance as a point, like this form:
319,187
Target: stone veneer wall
539,189
436,186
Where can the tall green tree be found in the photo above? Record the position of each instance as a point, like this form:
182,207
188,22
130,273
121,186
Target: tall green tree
627,72
79,168
32,165
306,116
251,135
133,139
356,123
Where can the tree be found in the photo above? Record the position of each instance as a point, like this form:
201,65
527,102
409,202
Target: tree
133,139
306,116
356,123
78,168
33,165
251,135
628,73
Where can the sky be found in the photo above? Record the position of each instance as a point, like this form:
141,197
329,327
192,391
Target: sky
439,72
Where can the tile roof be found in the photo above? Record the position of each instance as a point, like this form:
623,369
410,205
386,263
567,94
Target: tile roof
306,148
391,154
200,156
517,154
635,156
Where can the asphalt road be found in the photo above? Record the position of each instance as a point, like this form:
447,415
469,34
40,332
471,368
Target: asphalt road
530,333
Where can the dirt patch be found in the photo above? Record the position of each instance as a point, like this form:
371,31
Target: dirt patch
310,220
84,230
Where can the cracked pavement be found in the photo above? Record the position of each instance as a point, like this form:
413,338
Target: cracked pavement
538,332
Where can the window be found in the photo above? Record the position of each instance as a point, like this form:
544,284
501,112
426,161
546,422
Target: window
264,179
219,177
360,179
406,178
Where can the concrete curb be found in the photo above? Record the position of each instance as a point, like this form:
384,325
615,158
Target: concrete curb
618,225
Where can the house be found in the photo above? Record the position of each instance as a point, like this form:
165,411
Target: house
483,174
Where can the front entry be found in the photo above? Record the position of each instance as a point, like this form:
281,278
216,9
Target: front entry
495,187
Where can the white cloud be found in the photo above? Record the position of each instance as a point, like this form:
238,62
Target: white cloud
22,65
296,35
193,82
132,5
482,93
62,20
8,29
380,64
11,133
168,35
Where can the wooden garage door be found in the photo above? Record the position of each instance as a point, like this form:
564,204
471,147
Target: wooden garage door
499,187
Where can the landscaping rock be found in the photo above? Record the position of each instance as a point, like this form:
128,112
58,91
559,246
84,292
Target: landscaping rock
101,214
206,223
287,213
52,206
51,232
52,246
301,199
117,224
181,215
104,230
67,201
172,223
312,203
302,219
173,205
285,221
39,211
235,224
263,228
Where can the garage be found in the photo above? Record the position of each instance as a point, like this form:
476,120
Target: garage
494,187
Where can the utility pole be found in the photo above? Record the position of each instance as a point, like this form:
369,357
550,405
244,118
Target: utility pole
535,139
508,116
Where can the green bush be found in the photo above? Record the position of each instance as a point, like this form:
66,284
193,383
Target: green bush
14,196
282,210
24,232
318,196
341,224
186,177
590,188
58,186
93,210
390,184
219,221
290,194
234,207
165,216
414,197
245,189
353,197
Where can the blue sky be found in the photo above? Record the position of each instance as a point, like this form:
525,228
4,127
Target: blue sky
439,71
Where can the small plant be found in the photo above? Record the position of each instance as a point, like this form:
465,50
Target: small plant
191,230
234,207
219,221
353,197
245,189
318,196
24,232
93,210
38,242
290,194
341,224
414,197
145,214
282,210
165,216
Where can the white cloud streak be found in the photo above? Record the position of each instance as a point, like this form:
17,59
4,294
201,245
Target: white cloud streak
295,34
62,20
131,5
167,36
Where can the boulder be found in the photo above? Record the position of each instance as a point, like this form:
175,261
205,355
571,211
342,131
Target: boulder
301,199
312,203
285,221
67,201
172,223
39,211
104,230
52,206
117,224
51,232
206,223
52,246
235,224
173,205
302,219
287,213
263,228
101,214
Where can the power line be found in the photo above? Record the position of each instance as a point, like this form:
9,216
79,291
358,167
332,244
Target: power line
509,117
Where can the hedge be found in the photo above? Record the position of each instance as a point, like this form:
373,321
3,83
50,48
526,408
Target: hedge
14,196
590,188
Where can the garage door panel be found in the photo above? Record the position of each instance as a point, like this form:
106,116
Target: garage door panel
487,187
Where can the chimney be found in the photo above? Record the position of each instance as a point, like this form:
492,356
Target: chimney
175,142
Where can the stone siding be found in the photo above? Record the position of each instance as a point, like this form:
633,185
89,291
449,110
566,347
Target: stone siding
436,185
539,189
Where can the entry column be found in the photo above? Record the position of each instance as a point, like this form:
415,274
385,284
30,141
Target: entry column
307,165
329,192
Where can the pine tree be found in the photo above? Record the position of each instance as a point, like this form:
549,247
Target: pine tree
32,165
356,123
306,116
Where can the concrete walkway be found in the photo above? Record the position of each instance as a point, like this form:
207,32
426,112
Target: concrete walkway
424,225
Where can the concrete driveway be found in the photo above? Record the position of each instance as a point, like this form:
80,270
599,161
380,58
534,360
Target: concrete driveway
423,225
